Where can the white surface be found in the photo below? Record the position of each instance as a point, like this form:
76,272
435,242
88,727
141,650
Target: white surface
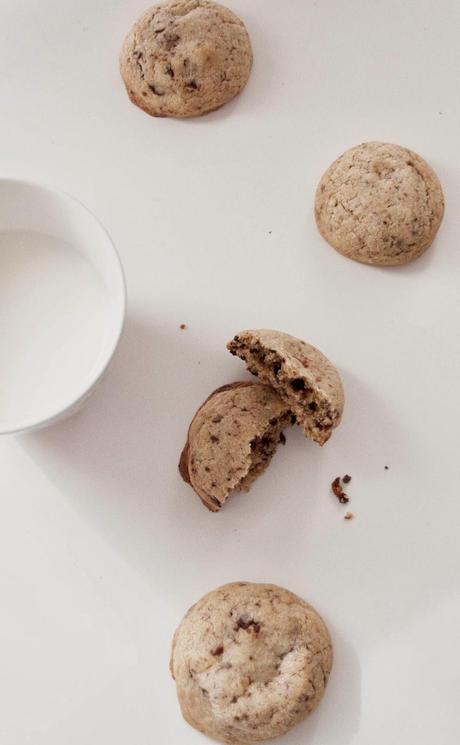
63,304
102,547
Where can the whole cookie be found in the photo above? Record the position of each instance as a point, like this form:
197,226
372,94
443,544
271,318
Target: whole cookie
301,374
185,58
231,440
250,661
379,204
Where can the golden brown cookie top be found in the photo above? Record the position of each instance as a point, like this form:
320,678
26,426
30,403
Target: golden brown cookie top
250,661
185,58
379,204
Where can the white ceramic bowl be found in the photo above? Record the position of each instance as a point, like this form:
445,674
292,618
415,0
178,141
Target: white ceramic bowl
62,304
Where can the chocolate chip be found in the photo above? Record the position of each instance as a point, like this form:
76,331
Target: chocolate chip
170,40
214,438
346,479
154,90
276,368
218,651
247,623
312,405
298,384
282,438
293,418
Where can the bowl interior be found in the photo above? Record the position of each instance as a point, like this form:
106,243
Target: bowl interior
62,295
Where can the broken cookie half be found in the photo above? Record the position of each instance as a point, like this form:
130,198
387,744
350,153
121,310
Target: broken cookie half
232,439
302,376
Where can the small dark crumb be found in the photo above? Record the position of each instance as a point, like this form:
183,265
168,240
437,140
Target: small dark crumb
386,468
214,438
282,438
183,326
348,516
338,491
346,479
218,651
269,232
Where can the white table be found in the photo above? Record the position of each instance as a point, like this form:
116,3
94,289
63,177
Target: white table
102,547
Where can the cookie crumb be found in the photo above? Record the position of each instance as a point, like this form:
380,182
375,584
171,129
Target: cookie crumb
338,491
348,516
386,468
346,479
183,326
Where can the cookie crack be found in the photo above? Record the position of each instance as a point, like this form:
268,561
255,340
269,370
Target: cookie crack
138,57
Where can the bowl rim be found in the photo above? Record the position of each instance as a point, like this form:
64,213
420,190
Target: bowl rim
118,317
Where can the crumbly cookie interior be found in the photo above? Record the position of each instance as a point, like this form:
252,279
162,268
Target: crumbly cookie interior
263,449
312,410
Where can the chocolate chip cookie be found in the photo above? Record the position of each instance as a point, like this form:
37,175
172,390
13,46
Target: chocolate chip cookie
185,58
304,378
250,662
231,440
379,204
